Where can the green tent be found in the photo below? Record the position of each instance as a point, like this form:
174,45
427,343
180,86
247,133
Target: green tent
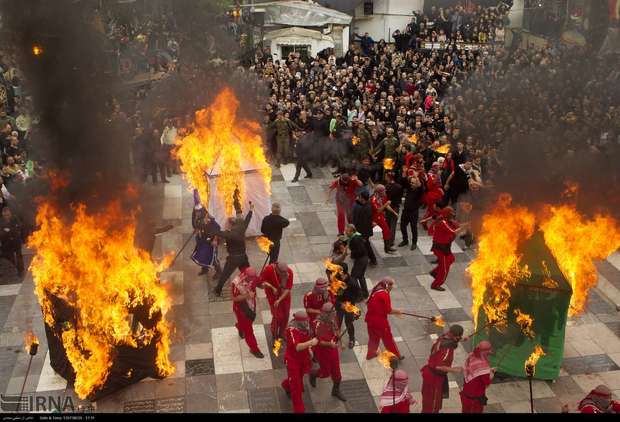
545,296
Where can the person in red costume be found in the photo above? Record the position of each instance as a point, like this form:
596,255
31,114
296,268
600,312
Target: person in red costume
379,204
434,193
444,230
598,401
316,298
379,306
277,280
435,385
346,187
396,397
244,307
477,374
326,352
297,358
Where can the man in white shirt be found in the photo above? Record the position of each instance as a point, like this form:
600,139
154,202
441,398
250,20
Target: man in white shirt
168,138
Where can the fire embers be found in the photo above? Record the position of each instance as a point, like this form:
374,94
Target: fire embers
220,139
100,295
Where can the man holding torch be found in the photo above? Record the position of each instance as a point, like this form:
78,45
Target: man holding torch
396,397
380,204
435,385
277,280
379,306
326,352
297,358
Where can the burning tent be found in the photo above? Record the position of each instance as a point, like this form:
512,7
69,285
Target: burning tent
103,306
536,315
531,272
222,157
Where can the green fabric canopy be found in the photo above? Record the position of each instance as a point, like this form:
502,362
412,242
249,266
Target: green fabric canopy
545,296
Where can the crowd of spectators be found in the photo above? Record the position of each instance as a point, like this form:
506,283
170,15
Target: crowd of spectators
432,100
472,24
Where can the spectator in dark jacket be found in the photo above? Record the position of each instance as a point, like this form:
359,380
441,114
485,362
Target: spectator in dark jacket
411,210
272,227
235,246
359,255
11,238
362,219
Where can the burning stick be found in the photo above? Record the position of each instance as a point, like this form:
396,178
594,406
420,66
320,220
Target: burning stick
491,323
437,320
355,140
530,370
32,347
337,286
388,164
264,244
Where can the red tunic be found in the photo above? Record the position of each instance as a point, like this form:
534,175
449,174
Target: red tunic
378,308
472,390
589,408
315,302
402,407
444,232
292,357
269,276
345,194
432,379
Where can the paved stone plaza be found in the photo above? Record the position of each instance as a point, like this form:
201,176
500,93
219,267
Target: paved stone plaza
216,372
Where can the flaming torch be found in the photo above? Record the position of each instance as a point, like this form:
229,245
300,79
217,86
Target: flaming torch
264,244
437,320
336,286
390,361
31,343
530,370
352,309
388,164
355,140
277,345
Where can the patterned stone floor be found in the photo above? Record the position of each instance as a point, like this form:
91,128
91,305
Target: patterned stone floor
215,371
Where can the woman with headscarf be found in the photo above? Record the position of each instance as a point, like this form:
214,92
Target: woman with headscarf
396,397
379,306
478,375
244,307
205,251
297,358
326,352
435,385
598,401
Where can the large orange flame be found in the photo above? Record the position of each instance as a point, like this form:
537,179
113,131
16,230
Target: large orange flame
92,265
219,137
496,269
336,286
575,243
